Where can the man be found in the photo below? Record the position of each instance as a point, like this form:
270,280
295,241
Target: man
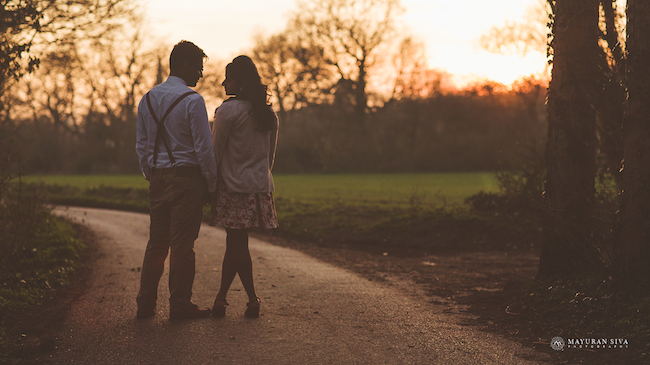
174,146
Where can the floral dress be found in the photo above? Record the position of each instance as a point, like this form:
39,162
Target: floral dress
243,210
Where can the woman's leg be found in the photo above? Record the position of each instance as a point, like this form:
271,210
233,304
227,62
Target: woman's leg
237,260
228,268
243,261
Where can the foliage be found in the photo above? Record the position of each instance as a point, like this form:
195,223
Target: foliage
136,200
413,78
296,73
78,112
43,262
17,17
38,251
633,256
30,28
533,33
520,38
588,307
447,132
461,131
349,35
521,192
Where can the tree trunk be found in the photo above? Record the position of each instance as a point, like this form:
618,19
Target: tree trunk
633,254
361,99
612,97
282,113
571,147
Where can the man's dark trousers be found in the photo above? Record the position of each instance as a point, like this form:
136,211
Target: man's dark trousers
176,210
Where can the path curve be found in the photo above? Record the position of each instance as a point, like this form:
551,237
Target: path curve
312,312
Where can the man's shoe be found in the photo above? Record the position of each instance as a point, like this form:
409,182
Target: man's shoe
190,313
143,314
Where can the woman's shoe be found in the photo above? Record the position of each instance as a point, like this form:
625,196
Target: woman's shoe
253,308
219,308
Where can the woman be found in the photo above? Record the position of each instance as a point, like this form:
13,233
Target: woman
244,139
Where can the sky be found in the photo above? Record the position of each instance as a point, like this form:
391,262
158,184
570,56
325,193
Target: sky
450,30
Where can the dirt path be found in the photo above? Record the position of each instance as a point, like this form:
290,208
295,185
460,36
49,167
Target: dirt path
312,313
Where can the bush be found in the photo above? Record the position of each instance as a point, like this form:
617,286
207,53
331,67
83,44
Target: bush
38,251
41,264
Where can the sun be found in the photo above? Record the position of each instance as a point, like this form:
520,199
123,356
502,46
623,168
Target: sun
500,68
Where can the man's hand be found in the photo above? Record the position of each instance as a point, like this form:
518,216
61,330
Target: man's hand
211,197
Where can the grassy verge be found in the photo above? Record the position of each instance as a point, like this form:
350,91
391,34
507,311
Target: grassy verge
42,263
108,197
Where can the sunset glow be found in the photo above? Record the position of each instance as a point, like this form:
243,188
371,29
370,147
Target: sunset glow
449,29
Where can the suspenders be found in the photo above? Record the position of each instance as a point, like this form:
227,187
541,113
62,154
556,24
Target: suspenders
161,127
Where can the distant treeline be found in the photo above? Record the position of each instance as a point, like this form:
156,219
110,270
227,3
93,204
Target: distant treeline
353,94
473,130
463,131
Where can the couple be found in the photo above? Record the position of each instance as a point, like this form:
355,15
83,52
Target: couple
186,167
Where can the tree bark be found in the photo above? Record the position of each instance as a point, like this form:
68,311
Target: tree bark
571,147
361,98
633,253
612,97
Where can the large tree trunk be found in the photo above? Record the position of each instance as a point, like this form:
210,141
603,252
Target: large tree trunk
612,97
571,145
633,258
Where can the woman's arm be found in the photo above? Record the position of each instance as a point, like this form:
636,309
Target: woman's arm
220,131
273,145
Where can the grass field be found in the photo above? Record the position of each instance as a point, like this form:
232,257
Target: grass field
90,181
431,188
335,207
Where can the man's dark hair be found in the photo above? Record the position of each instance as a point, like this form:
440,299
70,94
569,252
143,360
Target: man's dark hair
183,52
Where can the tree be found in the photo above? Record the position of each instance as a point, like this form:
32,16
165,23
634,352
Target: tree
120,70
296,73
571,145
32,28
40,24
18,18
634,246
611,99
530,35
413,79
349,34
209,86
519,37
86,97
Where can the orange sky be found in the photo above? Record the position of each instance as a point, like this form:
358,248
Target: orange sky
449,28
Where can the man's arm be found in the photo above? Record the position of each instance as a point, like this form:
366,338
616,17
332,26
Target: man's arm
200,128
142,141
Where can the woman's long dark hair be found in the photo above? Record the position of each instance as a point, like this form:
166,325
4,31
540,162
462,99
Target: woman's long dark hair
243,72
